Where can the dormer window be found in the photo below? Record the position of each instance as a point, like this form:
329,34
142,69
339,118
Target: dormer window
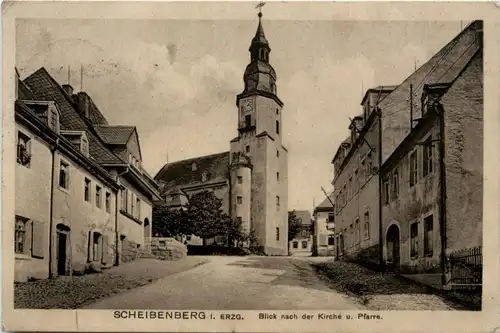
53,119
84,147
79,140
194,167
425,103
47,112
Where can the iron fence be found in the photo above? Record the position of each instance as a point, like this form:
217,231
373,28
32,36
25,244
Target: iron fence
466,267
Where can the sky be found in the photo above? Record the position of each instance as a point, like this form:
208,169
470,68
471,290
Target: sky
177,80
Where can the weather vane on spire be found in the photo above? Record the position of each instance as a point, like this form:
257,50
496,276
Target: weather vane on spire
260,5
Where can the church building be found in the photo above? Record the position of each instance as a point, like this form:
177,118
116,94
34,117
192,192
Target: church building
252,177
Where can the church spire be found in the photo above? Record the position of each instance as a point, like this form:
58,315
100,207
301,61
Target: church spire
259,48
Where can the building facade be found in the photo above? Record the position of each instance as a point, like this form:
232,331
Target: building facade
324,228
70,180
302,243
432,192
252,177
356,183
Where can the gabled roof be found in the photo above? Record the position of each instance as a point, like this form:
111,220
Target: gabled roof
443,67
114,135
325,205
181,173
45,88
304,216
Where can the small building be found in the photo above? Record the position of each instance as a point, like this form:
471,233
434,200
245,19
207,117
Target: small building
302,243
432,180
324,228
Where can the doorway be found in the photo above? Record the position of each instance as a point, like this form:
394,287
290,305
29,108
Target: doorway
62,249
393,258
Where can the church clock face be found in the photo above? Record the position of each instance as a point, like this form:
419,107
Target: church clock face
247,105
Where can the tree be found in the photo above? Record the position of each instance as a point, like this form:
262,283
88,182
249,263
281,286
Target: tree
294,225
170,222
204,215
233,230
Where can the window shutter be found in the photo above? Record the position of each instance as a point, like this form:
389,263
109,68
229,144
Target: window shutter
106,258
99,248
323,240
38,239
28,227
89,248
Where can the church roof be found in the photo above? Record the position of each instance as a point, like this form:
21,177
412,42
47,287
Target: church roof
259,66
260,37
190,172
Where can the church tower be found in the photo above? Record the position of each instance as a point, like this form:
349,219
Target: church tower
257,154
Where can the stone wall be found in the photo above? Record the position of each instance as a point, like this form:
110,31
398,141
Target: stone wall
166,248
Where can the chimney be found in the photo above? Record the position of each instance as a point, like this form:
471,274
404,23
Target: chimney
83,104
68,89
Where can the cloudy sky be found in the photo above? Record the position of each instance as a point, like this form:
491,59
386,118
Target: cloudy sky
177,80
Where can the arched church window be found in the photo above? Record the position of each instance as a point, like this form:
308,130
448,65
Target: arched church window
194,167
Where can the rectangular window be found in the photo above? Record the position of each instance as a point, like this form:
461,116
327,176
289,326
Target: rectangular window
98,192
277,234
295,245
132,203
20,236
395,184
64,175
240,180
428,235
413,168
355,181
349,188
84,147
414,240
369,165
86,193
53,119
138,207
23,149
277,153
239,200
331,240
248,120
278,202
367,225
331,217
427,160
386,191
108,202
277,127
124,200
304,244
247,149
363,172
277,176
351,236
358,232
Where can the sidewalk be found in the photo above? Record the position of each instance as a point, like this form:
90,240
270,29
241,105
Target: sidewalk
72,292
382,291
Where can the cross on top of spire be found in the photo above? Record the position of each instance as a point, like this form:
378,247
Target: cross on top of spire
260,5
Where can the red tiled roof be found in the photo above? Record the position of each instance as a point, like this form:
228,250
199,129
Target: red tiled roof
45,88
